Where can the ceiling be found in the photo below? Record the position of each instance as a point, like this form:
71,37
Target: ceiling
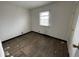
29,4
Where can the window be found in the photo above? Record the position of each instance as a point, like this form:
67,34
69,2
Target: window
44,18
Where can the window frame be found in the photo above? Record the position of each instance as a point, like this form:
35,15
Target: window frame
48,18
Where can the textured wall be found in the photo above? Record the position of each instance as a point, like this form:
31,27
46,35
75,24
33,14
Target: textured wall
13,21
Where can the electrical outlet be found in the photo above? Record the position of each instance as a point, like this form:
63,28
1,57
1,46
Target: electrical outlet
21,32
39,31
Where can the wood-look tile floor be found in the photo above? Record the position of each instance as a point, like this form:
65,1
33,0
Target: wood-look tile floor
35,45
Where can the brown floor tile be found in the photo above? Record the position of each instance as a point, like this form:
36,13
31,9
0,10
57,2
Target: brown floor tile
36,45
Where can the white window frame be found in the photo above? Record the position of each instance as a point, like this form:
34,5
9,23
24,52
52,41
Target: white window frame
44,16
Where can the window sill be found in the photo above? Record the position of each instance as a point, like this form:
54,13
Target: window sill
44,26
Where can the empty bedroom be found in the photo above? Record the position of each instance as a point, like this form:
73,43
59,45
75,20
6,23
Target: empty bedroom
39,29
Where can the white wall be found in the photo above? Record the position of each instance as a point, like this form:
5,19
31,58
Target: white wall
75,33
13,21
60,17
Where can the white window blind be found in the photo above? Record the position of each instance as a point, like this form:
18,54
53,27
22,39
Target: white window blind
44,18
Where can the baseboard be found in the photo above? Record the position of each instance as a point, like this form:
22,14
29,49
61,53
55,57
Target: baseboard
50,36
35,32
16,37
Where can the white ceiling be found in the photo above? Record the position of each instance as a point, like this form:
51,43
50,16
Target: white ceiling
29,4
